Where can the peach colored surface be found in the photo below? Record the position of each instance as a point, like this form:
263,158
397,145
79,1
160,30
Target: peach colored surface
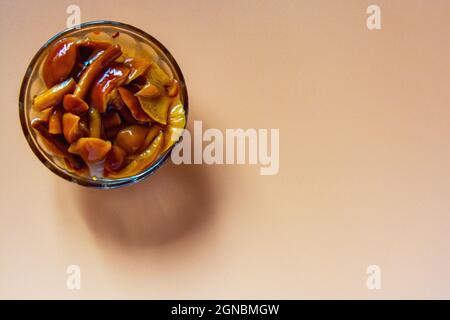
364,119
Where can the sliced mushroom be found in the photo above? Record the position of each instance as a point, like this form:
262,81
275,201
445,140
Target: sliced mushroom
149,91
90,149
138,67
59,62
176,123
156,108
157,76
133,105
54,95
113,77
71,127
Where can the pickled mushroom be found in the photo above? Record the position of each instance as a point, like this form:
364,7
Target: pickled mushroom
103,60
133,105
95,123
143,161
71,127
131,138
90,149
172,88
149,91
59,61
54,95
138,67
175,125
113,77
156,108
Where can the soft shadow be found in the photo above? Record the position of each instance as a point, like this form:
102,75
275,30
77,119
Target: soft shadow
173,203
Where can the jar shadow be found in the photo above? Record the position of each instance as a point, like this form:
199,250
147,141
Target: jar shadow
171,204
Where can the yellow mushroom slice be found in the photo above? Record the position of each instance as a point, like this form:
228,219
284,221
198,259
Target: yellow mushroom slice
59,61
157,76
149,91
151,134
113,77
176,123
131,138
127,42
71,127
90,149
74,102
156,108
55,121
143,161
133,105
54,95
138,67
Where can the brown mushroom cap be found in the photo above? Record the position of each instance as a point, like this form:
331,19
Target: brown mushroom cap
131,138
59,61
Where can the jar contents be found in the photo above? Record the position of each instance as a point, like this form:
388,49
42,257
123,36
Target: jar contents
110,110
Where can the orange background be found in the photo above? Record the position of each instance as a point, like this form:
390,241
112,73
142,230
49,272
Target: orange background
364,178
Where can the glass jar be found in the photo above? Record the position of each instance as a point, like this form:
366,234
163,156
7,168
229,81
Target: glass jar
32,85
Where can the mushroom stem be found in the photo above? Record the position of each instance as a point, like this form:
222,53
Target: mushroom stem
54,95
95,123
